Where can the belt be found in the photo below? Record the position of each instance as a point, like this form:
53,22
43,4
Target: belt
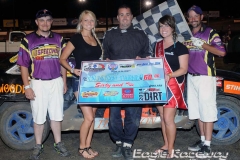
194,74
43,79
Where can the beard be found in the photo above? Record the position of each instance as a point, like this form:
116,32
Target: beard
196,24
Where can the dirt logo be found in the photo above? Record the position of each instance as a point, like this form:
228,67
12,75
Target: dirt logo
150,94
231,87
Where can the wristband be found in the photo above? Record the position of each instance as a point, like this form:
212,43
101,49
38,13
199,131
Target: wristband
26,87
72,70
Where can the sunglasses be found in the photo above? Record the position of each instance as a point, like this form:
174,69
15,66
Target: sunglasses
43,13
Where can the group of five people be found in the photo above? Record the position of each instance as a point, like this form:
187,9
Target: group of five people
47,72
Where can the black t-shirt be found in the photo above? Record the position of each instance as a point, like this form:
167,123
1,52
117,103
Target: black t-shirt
172,55
83,51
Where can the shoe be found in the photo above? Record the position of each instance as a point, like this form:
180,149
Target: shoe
205,150
118,151
60,148
81,153
127,153
37,150
91,151
197,146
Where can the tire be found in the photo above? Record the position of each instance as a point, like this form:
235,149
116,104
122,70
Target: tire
16,127
226,130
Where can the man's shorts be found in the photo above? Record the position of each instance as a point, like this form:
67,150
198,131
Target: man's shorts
49,99
201,98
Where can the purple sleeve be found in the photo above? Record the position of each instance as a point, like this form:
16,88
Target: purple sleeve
216,41
23,56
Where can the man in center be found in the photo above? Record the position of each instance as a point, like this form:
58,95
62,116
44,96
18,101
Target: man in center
125,42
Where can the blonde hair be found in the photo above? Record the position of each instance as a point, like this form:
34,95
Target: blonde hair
80,28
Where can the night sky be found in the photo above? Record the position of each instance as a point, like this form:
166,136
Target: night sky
19,9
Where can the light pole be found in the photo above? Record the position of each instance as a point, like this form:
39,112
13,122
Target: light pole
106,15
140,6
148,3
81,6
13,15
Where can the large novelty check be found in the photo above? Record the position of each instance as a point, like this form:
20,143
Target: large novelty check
138,81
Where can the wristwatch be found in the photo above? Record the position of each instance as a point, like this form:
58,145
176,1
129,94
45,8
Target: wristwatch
26,87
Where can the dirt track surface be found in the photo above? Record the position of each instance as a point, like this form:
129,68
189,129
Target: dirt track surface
147,140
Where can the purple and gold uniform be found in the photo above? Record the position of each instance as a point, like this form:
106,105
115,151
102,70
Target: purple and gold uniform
41,55
201,80
200,60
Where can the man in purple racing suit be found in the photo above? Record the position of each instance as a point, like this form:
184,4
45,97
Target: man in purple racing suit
44,86
201,79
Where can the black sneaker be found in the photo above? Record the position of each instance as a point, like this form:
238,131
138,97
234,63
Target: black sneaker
60,148
118,151
197,146
37,150
205,150
127,153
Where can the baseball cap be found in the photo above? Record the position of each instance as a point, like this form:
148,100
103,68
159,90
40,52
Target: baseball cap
43,13
196,9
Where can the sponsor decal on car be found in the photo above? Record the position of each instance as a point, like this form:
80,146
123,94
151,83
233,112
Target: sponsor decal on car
231,87
219,84
12,88
219,81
